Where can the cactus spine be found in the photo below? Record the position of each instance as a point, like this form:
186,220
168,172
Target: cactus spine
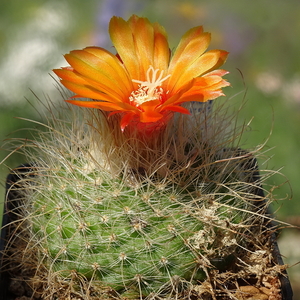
95,209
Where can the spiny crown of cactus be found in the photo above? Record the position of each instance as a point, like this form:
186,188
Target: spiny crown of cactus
145,194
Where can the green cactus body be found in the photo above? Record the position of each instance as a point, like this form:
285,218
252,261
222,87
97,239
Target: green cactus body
135,237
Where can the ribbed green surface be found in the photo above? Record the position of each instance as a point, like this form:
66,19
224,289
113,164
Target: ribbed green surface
131,237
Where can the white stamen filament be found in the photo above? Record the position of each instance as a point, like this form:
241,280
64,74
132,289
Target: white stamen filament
149,90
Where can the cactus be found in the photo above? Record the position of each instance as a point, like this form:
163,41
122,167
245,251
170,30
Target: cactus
140,202
122,235
137,231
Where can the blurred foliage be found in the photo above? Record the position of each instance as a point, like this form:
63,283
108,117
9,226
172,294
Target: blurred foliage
263,62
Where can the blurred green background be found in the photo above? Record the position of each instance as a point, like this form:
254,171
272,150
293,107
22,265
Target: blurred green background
262,37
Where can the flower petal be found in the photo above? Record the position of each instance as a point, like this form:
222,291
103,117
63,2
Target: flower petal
106,106
219,72
188,37
189,57
115,67
99,71
83,87
204,88
203,64
95,104
87,91
174,98
161,48
121,36
150,116
143,38
178,109
68,74
126,120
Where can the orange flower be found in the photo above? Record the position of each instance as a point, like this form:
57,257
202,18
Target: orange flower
143,82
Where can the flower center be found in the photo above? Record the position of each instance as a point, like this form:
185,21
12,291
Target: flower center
150,89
